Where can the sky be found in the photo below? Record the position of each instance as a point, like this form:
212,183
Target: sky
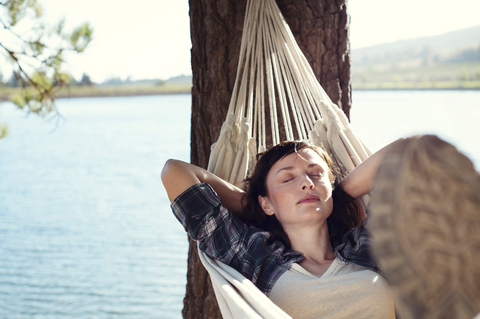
150,39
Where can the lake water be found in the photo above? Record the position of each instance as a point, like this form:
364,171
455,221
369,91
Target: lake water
85,225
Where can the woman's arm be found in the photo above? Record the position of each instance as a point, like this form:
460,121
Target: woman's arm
360,181
178,176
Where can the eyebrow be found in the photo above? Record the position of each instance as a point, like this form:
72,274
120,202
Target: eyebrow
289,168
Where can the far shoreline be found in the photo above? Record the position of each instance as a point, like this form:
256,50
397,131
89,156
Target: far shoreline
417,89
119,94
121,91
105,91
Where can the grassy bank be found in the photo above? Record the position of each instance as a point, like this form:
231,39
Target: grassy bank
415,76
443,85
97,91
133,90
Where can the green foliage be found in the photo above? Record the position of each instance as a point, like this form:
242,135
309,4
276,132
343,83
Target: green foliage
18,9
464,75
80,37
37,55
3,130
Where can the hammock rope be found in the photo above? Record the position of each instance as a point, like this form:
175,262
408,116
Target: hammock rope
274,84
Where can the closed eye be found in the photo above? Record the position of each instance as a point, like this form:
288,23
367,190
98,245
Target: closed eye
317,174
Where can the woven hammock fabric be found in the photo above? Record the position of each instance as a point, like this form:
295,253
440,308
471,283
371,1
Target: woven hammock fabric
276,85
237,296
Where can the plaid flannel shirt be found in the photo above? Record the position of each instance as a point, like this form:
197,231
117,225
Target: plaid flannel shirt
223,236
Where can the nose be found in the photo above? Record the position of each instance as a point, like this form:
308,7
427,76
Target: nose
307,183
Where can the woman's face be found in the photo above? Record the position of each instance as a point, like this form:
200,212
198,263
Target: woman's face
299,189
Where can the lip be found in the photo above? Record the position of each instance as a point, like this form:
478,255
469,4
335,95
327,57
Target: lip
309,199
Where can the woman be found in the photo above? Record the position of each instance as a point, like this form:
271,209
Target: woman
291,233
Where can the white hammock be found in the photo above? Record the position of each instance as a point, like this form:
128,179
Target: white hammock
237,296
272,71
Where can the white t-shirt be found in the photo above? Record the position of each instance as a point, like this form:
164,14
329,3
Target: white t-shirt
343,291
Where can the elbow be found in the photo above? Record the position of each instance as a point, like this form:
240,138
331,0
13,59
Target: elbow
353,188
168,169
177,176
348,188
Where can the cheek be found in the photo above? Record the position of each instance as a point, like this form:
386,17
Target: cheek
277,195
330,188
329,205
281,197
326,187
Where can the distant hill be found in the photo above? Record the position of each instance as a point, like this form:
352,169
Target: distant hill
446,61
450,57
438,48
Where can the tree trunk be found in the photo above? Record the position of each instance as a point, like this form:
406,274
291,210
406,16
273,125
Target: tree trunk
321,30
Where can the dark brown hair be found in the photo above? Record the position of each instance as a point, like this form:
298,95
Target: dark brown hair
345,214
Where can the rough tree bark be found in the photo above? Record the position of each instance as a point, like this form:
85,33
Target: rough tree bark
321,30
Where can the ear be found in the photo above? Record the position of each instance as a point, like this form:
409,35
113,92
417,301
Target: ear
266,205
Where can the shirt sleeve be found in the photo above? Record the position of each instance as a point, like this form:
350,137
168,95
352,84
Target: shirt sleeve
220,234
223,236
